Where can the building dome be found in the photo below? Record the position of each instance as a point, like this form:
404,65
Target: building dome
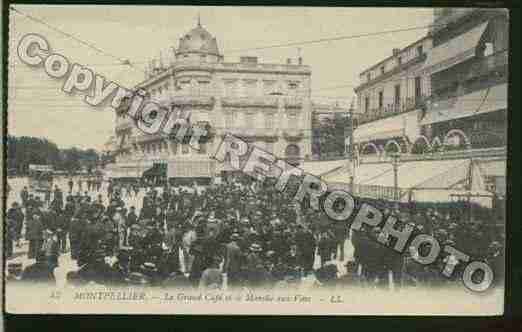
198,40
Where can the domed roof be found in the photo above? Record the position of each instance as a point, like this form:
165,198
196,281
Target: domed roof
198,40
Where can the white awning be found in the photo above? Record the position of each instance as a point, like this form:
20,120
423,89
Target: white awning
493,168
478,102
320,168
456,50
382,129
412,174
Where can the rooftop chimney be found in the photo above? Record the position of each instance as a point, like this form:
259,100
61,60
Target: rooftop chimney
396,51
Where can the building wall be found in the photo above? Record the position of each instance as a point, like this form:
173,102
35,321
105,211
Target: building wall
240,93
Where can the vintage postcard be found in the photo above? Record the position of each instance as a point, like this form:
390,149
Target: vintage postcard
256,160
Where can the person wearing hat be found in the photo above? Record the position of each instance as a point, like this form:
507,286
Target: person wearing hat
176,279
96,269
211,278
76,230
256,273
170,260
10,236
39,272
150,270
50,247
14,271
34,235
16,214
305,242
233,261
24,196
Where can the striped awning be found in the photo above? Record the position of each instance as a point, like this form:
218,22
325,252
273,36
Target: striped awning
478,102
456,50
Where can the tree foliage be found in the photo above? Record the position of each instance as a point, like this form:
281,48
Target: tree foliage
329,136
25,150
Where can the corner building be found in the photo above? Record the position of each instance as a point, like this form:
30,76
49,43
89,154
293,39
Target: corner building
267,105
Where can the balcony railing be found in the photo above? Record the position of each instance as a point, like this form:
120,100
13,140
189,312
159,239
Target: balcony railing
266,101
483,73
250,132
406,105
399,68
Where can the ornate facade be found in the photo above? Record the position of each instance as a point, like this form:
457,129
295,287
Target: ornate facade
268,105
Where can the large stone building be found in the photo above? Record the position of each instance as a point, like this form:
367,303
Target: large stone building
447,89
431,122
268,105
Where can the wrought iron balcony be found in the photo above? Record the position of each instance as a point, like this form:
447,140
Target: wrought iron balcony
265,101
406,105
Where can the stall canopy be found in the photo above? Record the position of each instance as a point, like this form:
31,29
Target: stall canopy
479,102
413,174
493,167
427,180
456,50
320,168
383,129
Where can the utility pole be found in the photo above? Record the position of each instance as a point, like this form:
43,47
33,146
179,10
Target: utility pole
395,164
351,147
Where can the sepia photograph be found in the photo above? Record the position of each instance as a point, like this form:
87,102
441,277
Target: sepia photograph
255,160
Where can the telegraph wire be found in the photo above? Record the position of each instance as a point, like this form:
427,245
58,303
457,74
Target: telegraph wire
77,39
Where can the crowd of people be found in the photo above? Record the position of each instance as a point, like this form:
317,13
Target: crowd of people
239,233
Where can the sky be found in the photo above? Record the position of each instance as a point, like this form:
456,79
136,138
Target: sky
37,107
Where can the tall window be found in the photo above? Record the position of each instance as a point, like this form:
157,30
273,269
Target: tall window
397,99
230,119
369,76
419,50
268,87
269,120
399,61
174,147
366,104
381,97
418,88
269,147
249,120
292,120
382,69
250,87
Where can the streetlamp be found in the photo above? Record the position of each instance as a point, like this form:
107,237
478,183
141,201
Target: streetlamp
395,163
351,146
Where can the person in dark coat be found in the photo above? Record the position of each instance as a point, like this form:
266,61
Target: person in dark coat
10,234
305,242
340,230
170,262
39,272
233,261
15,213
24,195
58,197
34,235
201,261
212,278
257,276
76,231
70,184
